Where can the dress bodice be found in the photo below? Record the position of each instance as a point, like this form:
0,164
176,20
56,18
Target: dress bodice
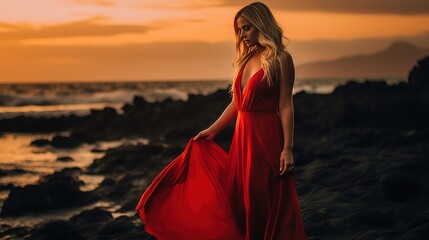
257,95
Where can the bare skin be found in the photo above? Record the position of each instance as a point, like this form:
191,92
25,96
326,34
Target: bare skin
286,112
249,34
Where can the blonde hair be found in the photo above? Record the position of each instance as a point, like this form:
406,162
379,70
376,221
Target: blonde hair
270,37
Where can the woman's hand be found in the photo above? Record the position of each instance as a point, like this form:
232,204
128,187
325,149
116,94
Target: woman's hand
227,116
207,134
286,161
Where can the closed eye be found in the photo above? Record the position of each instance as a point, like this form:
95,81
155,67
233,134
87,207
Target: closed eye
246,27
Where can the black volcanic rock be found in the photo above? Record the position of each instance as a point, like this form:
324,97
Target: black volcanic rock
65,159
55,230
419,75
399,187
99,224
140,102
181,134
40,142
90,224
11,172
419,78
120,225
7,231
100,124
417,233
40,124
91,216
173,118
377,218
59,190
126,157
59,141
6,186
371,104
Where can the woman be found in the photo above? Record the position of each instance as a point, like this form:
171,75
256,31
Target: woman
249,193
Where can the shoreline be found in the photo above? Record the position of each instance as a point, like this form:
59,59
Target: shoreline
360,161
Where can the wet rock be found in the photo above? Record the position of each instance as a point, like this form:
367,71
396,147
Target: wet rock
154,120
361,104
107,182
119,225
417,233
40,124
399,187
224,138
91,216
124,186
59,141
65,159
105,113
8,232
181,134
377,218
130,204
99,224
40,142
119,191
59,190
421,219
419,78
173,151
105,124
90,224
6,186
97,150
9,172
140,102
126,157
303,157
55,230
126,108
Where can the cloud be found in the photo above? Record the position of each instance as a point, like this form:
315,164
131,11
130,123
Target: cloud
179,4
95,2
154,61
84,28
340,6
160,61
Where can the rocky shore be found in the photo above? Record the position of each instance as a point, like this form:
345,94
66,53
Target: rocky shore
361,154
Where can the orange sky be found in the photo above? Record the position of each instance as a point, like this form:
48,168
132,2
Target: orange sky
107,40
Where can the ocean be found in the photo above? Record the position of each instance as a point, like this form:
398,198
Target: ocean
22,164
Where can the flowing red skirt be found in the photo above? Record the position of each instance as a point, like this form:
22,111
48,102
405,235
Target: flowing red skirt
189,199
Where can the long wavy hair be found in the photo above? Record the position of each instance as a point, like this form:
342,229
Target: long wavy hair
270,36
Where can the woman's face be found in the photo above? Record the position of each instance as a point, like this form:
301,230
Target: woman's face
247,32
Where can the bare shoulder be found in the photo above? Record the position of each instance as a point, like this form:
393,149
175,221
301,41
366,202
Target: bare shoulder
287,65
288,60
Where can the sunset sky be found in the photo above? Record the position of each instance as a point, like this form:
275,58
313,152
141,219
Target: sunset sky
130,40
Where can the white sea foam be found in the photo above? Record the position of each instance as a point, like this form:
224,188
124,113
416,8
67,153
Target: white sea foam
78,98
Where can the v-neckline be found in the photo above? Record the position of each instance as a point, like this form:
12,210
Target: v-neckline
243,89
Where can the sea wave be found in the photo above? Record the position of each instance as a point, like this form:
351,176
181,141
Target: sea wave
57,99
90,93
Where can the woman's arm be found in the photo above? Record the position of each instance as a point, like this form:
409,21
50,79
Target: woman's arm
227,116
286,111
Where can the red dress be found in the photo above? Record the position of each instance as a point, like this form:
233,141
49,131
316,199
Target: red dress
206,193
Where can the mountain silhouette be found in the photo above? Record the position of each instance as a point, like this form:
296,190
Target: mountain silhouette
394,61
